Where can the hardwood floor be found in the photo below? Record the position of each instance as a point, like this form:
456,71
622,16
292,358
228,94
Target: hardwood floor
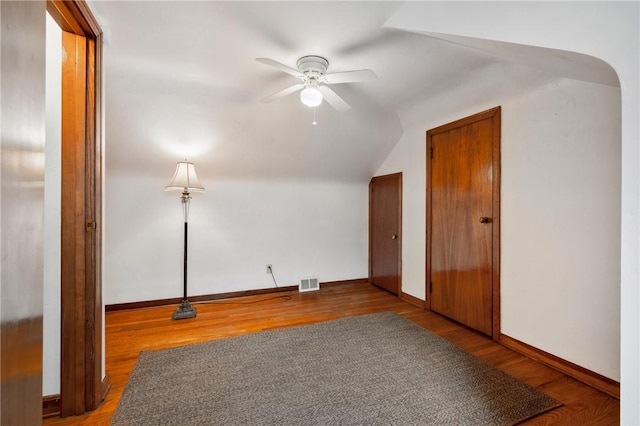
129,332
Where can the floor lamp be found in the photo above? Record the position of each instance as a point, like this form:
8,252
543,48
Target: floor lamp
185,180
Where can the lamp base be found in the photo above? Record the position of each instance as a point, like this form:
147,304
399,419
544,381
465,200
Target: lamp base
184,311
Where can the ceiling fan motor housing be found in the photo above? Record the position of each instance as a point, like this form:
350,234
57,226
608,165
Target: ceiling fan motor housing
313,67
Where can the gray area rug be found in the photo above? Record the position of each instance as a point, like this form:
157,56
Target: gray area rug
378,369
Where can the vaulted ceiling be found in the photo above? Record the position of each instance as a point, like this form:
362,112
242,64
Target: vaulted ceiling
182,81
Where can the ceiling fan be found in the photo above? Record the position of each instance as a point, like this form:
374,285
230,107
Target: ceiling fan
312,70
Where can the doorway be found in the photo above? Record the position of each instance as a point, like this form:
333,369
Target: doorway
463,221
385,232
83,384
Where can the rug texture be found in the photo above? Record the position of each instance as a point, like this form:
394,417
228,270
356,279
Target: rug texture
378,369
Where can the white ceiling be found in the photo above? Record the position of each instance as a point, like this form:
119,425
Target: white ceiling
182,81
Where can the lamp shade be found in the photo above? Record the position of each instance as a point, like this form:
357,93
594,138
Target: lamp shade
311,96
185,179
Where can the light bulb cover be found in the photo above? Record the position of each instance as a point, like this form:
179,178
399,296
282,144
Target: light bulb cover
311,96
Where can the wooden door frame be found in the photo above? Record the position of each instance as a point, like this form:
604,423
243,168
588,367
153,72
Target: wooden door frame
82,387
378,178
495,115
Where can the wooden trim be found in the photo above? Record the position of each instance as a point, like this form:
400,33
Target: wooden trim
591,378
62,14
422,304
466,121
50,406
81,387
92,235
73,256
495,115
221,296
345,282
400,235
74,17
51,403
428,219
194,299
105,388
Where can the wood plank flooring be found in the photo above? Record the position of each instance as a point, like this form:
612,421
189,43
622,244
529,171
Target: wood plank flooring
129,332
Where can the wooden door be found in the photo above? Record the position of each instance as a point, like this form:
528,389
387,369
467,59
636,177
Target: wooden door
385,228
463,220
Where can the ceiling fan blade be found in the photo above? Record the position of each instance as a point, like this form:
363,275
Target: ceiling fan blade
284,92
281,67
333,99
356,76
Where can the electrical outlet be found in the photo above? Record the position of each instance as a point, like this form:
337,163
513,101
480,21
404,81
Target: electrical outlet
269,270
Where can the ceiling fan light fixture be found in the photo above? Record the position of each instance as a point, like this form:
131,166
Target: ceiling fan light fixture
311,96
316,83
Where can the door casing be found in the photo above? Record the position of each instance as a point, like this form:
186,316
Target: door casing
82,385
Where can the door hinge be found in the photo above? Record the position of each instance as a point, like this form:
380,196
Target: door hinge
431,153
91,224
430,287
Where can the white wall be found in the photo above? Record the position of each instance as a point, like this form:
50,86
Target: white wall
486,88
560,243
236,227
52,195
560,212
606,30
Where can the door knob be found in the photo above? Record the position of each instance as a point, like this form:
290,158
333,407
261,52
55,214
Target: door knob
393,237
484,219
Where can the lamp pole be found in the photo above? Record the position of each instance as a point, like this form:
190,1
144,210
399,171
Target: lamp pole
185,179
184,277
185,310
